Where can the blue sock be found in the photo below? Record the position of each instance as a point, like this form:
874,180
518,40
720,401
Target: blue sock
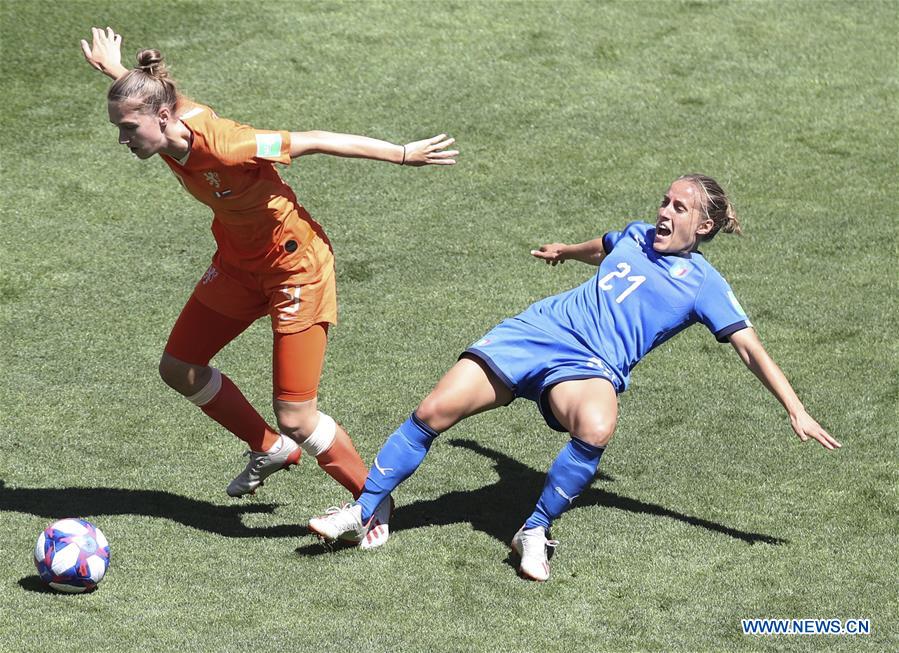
570,474
398,458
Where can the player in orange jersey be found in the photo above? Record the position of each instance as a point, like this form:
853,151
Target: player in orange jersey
272,259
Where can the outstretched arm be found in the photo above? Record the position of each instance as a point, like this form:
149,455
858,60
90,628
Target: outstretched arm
431,151
105,52
747,344
590,252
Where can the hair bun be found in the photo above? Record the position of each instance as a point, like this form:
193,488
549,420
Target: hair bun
151,62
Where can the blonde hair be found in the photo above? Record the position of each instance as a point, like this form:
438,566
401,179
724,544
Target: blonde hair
149,84
716,206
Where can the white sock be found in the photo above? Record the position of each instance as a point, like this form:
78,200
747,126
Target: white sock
275,448
322,437
209,391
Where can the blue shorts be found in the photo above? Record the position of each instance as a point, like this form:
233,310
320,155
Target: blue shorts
529,361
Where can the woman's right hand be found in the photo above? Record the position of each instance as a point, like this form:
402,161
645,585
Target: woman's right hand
553,253
105,53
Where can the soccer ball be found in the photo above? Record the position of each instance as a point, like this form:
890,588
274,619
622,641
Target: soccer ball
71,555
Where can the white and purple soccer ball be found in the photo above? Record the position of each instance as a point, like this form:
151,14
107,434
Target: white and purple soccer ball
71,555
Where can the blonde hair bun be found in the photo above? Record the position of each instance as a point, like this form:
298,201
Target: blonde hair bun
152,63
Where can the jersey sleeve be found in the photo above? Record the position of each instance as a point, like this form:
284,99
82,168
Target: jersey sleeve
717,308
611,238
233,143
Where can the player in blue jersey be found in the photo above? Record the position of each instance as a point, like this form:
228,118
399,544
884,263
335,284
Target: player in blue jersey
572,354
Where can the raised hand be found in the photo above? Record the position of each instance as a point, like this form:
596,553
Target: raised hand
105,52
431,151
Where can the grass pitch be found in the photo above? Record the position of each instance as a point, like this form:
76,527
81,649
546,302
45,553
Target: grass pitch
572,119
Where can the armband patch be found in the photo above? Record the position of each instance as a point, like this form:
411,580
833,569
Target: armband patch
268,145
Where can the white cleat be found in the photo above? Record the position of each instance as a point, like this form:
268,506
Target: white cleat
532,546
263,465
345,523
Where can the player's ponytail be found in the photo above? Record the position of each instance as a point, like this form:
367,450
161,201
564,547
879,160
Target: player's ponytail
731,223
717,206
149,84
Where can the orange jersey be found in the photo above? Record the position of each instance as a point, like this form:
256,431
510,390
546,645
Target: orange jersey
258,223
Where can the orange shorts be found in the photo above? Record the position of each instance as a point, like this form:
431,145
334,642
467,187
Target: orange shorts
297,358
294,299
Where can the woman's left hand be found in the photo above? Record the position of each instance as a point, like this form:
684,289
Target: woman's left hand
431,151
806,427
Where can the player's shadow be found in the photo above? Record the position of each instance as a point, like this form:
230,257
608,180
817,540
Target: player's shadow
499,509
56,503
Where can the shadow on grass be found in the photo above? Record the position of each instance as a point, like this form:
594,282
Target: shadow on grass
494,509
56,503
34,583
500,509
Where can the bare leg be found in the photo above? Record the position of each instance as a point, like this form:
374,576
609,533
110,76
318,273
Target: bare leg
588,408
469,387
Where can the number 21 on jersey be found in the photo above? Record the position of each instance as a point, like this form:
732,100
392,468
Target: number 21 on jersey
623,270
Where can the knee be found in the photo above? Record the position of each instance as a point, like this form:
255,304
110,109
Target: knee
172,372
297,421
437,412
597,431
183,377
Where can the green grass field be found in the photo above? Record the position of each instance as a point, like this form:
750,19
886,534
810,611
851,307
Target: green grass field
572,118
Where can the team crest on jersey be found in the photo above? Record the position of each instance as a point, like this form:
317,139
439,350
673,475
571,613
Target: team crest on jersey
679,270
213,179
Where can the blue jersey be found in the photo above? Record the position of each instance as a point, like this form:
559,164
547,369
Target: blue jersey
637,300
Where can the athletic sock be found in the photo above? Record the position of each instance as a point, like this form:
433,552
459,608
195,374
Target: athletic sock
342,463
396,461
332,448
570,474
221,400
